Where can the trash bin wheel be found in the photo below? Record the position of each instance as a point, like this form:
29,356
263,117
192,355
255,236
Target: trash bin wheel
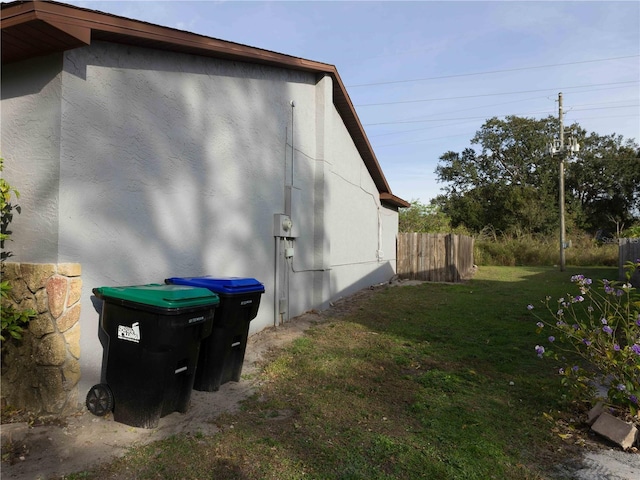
100,400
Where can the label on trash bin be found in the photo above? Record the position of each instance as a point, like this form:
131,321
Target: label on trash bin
246,302
130,334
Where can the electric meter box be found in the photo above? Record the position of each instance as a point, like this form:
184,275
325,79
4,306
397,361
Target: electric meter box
282,225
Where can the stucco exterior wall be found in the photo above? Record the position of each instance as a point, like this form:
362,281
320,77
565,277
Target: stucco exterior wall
174,165
30,144
355,208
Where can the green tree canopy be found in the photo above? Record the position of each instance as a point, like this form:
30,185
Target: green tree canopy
511,182
421,218
604,182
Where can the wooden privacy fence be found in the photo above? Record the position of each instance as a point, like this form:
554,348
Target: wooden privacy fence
434,257
628,251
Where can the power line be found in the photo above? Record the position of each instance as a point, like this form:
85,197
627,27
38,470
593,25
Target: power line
484,116
401,132
470,134
519,101
600,108
492,94
488,72
424,140
507,103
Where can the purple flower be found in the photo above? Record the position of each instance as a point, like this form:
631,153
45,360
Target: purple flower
633,399
540,324
561,371
560,323
616,347
560,312
581,280
576,326
587,342
638,320
579,298
636,349
621,387
607,329
540,350
575,368
552,339
529,307
604,321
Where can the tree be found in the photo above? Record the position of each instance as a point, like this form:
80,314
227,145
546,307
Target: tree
604,182
510,181
421,218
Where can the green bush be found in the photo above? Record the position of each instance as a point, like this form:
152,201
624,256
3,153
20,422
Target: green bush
603,329
633,232
13,320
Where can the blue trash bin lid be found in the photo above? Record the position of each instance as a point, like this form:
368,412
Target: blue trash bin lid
224,285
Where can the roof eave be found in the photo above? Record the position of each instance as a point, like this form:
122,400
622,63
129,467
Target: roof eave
394,201
66,27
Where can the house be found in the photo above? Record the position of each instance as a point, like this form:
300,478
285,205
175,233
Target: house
143,152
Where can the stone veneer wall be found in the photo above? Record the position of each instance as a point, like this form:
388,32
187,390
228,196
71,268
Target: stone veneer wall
40,373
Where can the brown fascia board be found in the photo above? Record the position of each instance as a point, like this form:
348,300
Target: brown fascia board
108,27
58,27
394,201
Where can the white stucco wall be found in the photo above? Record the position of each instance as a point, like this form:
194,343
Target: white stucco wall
30,144
355,208
158,164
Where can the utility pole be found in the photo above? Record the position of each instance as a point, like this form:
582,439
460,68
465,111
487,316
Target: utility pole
561,197
560,148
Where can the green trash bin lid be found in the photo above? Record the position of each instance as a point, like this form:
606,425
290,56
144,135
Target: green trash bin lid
162,296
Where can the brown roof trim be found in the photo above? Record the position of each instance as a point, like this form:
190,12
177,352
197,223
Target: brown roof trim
35,28
393,200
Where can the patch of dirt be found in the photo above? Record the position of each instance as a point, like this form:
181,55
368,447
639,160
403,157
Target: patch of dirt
34,448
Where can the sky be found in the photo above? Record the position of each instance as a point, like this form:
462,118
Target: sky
425,75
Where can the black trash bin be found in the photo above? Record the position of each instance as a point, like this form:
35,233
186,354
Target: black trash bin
222,353
154,335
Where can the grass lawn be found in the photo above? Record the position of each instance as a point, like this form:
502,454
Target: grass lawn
432,381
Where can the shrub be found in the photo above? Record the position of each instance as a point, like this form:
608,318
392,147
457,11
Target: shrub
603,329
12,319
537,250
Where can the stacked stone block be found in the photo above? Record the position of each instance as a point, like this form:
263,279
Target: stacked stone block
40,373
